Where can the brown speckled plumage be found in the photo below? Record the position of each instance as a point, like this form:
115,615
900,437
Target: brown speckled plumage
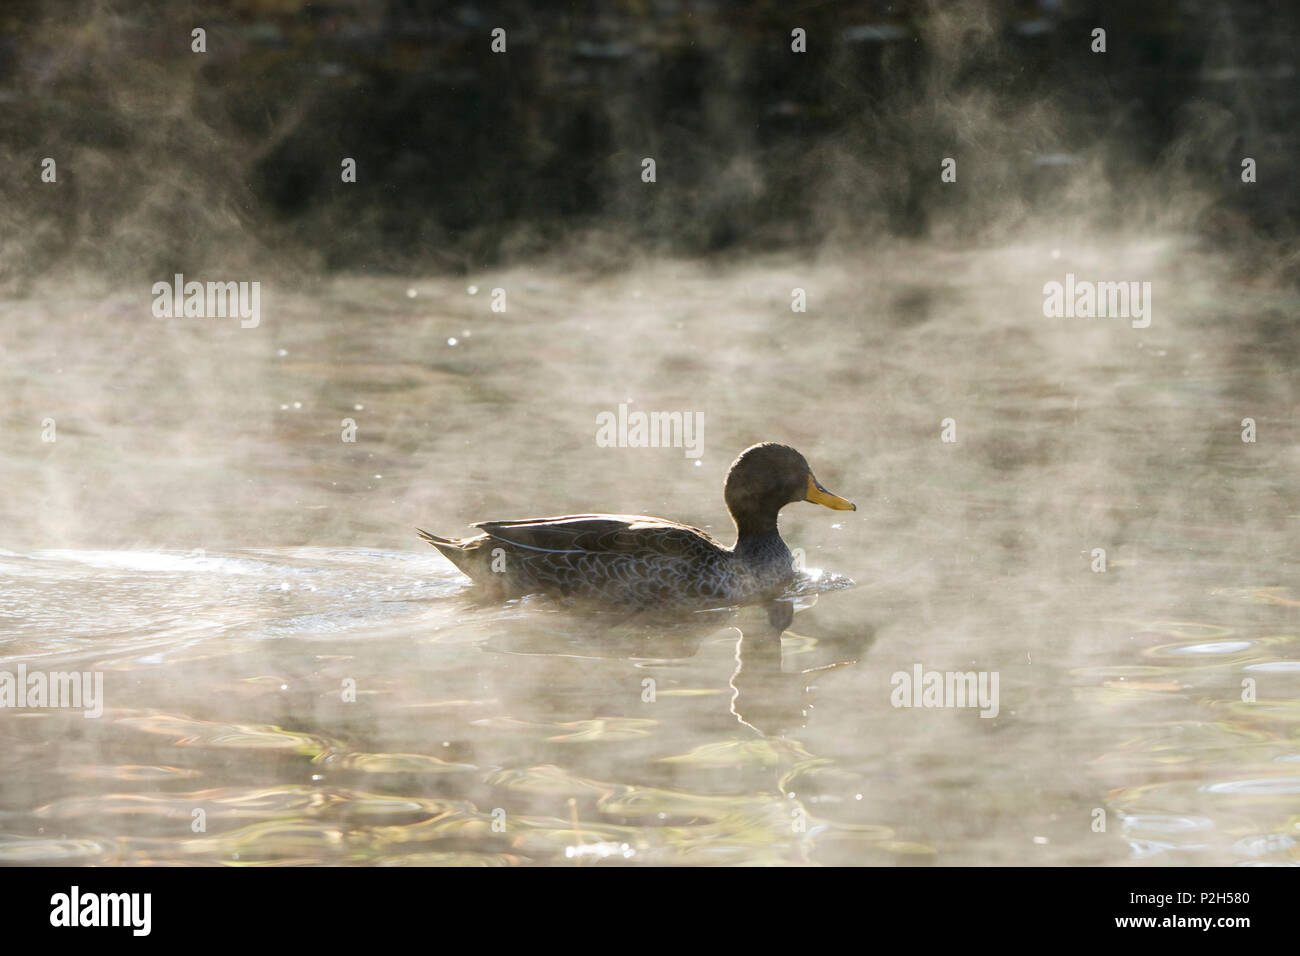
641,562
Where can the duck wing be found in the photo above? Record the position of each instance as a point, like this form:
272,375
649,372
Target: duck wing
630,535
629,560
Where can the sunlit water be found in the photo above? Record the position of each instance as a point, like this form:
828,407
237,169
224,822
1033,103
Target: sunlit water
290,676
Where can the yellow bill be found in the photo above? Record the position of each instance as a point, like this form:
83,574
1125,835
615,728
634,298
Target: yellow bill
820,496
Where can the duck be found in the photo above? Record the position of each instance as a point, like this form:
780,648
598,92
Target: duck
640,562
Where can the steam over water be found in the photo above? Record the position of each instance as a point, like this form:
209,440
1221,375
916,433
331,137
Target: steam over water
200,535
1085,502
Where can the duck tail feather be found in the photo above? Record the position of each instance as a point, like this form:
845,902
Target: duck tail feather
434,539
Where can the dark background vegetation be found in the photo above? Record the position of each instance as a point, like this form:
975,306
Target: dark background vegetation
175,161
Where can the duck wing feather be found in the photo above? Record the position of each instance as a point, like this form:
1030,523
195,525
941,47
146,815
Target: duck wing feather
603,534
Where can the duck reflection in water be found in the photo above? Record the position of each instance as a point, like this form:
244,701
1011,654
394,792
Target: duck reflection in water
774,701
766,697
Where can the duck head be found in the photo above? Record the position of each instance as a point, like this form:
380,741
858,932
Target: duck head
765,478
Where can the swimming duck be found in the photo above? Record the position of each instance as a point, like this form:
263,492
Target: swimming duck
641,562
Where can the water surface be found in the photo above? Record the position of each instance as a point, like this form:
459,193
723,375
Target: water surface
282,654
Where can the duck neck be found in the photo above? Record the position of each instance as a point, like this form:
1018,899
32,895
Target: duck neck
756,533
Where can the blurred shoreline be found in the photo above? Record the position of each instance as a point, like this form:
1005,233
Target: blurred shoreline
230,160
